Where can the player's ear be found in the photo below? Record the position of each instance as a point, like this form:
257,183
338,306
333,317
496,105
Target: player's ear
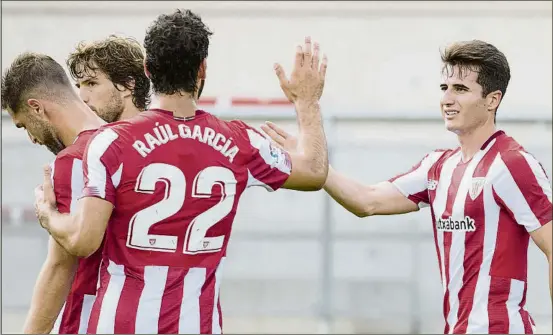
36,108
493,100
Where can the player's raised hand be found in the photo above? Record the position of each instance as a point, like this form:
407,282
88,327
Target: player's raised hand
307,80
45,198
280,136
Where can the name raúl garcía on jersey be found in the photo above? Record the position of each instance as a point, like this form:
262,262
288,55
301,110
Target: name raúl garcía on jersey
450,224
162,134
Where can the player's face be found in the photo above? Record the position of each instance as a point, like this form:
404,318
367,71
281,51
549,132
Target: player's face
40,131
462,105
101,95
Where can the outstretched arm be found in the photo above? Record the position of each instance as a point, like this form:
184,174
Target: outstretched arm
365,200
362,200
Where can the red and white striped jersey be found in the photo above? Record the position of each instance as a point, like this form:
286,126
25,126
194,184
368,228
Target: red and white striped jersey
68,182
175,185
482,211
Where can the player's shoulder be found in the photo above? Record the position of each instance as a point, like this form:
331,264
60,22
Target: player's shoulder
77,148
437,156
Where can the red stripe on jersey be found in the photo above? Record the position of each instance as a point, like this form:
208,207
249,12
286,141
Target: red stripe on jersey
207,299
474,252
170,303
507,261
71,318
497,305
125,316
456,178
528,185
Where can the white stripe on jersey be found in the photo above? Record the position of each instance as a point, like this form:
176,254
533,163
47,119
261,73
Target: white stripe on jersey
189,319
516,325
106,320
96,170
457,249
440,203
515,200
77,183
88,302
149,305
216,326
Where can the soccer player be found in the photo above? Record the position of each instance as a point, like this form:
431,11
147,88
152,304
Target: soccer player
111,81
109,74
169,181
487,197
40,98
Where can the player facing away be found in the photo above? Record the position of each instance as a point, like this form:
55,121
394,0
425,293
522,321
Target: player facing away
111,81
40,98
169,181
486,198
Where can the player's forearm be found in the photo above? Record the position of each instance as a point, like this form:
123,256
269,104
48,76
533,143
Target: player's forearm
64,228
311,140
349,193
51,289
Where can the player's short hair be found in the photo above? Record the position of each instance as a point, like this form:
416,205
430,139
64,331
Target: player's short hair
122,61
36,75
485,59
176,44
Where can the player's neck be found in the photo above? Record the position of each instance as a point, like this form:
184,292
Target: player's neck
129,110
181,105
77,119
471,142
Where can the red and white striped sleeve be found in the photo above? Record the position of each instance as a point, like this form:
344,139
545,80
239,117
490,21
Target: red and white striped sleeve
68,181
414,184
102,165
524,189
268,166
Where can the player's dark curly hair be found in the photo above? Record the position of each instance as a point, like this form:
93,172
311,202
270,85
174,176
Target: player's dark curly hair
176,44
120,58
34,75
485,59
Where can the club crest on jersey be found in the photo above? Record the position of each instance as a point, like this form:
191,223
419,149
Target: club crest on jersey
205,244
476,187
152,241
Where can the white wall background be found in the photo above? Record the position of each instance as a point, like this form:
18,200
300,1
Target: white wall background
384,56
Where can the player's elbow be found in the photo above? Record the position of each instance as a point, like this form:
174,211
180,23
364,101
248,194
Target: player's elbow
81,246
318,172
367,205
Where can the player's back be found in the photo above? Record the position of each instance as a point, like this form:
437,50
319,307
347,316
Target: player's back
175,189
67,175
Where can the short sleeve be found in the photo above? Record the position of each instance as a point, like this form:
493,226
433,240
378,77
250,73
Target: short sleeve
268,166
68,182
524,189
102,165
414,184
